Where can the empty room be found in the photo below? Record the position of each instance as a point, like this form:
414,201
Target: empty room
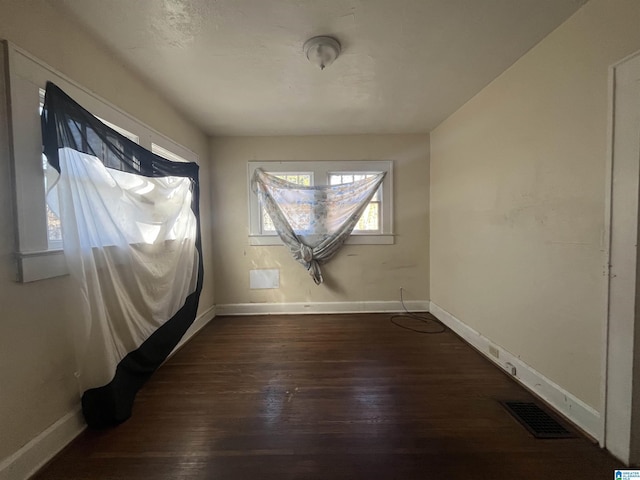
304,239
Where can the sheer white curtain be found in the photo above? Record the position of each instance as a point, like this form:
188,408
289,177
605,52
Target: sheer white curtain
129,240
131,236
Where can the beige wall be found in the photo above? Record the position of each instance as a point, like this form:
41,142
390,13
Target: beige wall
358,272
518,199
37,386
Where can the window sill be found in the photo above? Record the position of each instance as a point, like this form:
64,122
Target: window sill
35,266
40,265
358,239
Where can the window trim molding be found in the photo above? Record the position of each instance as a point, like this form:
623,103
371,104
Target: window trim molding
321,169
24,75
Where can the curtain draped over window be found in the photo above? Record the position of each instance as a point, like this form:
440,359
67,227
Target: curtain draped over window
131,234
314,222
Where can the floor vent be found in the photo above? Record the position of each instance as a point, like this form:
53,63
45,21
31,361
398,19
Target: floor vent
536,420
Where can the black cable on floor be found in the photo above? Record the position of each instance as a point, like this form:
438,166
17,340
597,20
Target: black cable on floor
426,319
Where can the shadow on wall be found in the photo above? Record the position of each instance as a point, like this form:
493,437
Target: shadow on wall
331,283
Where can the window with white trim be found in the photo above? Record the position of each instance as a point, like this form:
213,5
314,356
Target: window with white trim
376,223
54,228
370,221
168,154
39,238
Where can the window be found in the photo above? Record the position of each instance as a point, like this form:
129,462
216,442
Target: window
168,154
370,219
54,228
39,236
375,224
302,217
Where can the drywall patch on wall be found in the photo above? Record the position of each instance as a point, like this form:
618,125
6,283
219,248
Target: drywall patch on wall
264,278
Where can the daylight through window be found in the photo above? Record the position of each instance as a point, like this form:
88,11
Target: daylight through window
375,224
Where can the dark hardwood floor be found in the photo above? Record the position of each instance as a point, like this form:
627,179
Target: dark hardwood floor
325,397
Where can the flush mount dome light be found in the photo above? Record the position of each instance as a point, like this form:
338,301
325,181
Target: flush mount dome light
322,51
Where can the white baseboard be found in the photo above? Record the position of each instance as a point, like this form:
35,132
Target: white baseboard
199,323
320,307
38,451
41,449
585,417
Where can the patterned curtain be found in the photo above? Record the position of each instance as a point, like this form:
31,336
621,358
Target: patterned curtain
314,222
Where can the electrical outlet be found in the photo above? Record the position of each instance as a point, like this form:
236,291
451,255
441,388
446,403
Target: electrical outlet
510,368
494,351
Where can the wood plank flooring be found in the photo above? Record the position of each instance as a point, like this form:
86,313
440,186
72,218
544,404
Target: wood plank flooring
325,397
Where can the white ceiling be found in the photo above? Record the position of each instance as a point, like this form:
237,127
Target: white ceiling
236,67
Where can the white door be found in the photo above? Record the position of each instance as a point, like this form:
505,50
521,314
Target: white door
622,422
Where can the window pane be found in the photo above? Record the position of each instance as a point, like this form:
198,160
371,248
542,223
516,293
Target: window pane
164,153
370,219
121,131
267,224
54,230
304,180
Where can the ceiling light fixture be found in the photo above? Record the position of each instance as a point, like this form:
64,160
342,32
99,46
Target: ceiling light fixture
322,51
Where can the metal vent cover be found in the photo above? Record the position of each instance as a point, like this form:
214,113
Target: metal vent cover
538,422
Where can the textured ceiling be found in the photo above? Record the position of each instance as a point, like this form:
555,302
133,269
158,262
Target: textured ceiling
236,67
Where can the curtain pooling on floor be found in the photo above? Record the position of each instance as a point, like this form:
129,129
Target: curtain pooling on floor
131,234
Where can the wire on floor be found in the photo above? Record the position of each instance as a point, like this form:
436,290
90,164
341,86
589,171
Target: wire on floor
427,319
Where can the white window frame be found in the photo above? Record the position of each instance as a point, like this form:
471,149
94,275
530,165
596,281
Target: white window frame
26,75
320,171
168,154
56,245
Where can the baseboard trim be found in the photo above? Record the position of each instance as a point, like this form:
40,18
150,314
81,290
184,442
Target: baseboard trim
199,323
38,451
302,308
575,410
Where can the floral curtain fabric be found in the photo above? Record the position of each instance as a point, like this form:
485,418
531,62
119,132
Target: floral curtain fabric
314,221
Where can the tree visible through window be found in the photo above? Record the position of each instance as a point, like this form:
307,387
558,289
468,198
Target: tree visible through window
54,229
